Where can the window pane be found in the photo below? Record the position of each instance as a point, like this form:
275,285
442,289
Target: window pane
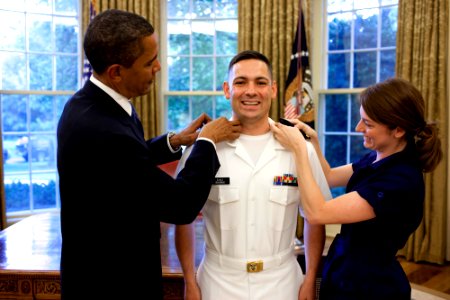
19,161
355,115
44,190
221,71
177,8
13,160
41,113
41,152
44,6
365,4
226,8
14,112
22,149
336,113
14,71
66,66
366,28
339,5
179,37
223,107
69,7
365,69
203,8
389,27
66,35
12,31
387,2
203,74
226,37
202,104
17,192
178,112
339,28
336,149
178,73
357,149
40,33
338,70
40,72
202,38
387,64
18,5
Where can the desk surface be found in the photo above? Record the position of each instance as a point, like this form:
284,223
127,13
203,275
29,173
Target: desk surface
30,252
35,244
32,244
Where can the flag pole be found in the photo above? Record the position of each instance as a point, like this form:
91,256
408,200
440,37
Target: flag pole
299,59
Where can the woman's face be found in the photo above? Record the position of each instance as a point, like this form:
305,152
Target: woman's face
377,137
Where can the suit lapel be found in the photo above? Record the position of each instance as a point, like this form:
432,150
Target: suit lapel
110,106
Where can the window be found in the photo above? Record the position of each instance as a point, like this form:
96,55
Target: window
201,38
39,71
358,47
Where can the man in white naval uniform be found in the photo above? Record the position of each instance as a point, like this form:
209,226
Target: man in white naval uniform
250,216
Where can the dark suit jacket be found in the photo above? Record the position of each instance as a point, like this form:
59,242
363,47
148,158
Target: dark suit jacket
113,197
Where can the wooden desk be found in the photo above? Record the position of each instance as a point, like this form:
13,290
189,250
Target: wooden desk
31,249
29,259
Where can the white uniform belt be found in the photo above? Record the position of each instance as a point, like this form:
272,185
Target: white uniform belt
251,265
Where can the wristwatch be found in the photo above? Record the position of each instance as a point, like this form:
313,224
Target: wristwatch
169,135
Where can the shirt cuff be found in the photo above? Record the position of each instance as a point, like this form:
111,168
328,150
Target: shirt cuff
169,135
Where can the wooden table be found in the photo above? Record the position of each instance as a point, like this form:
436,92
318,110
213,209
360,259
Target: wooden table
29,259
30,251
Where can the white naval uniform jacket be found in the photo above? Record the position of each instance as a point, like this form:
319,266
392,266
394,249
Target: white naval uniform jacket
248,217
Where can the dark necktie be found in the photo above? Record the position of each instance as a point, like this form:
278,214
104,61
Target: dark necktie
136,120
134,115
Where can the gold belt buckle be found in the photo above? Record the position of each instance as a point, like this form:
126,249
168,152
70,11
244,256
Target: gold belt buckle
254,266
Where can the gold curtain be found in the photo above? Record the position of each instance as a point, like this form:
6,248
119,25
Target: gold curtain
147,106
422,55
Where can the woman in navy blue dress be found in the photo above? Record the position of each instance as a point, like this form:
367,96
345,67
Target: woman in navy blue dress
385,191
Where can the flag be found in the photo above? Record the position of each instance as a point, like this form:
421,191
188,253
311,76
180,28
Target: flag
299,105
87,68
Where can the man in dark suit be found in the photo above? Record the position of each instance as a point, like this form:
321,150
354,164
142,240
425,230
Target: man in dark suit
108,172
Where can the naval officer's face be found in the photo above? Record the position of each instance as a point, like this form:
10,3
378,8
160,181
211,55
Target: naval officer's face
251,89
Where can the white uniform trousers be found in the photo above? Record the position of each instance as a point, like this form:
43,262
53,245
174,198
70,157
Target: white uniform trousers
217,282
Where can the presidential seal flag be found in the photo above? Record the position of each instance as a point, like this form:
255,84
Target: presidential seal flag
298,94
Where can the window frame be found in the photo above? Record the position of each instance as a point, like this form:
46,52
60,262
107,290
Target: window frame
318,55
16,216
319,70
163,91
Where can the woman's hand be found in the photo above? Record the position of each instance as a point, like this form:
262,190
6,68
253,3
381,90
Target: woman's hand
289,137
305,128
